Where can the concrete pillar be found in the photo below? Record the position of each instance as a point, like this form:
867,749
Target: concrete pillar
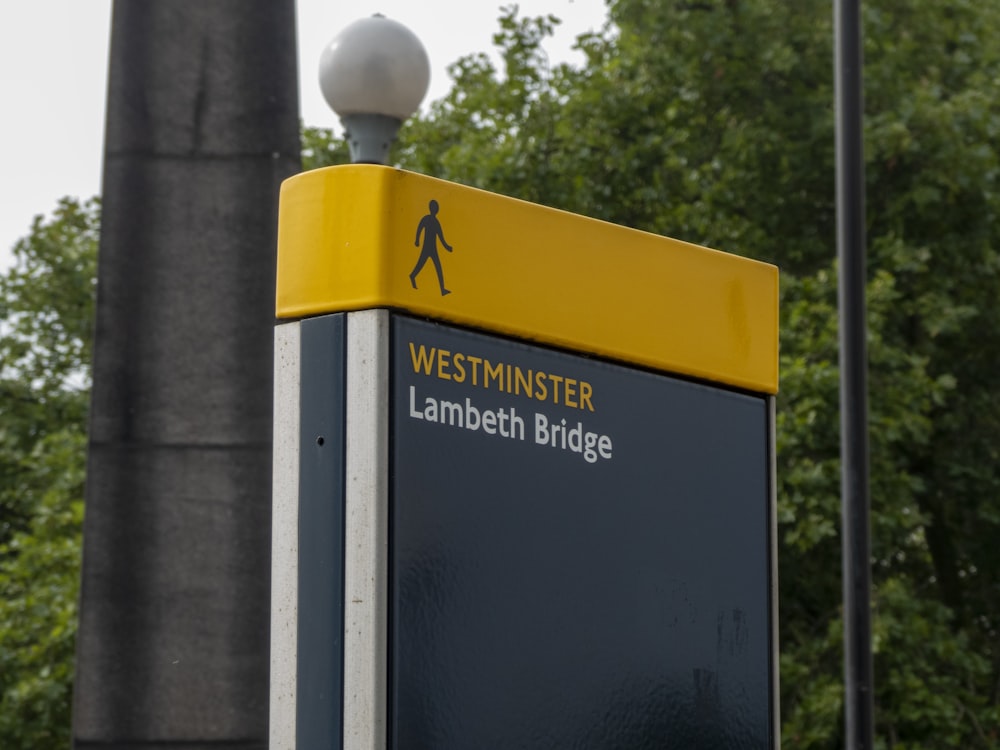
202,126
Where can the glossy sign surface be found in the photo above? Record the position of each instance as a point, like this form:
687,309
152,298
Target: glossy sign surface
603,584
361,236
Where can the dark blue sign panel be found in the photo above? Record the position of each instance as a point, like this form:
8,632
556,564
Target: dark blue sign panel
580,552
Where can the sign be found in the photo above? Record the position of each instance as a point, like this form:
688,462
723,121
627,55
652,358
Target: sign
523,477
579,551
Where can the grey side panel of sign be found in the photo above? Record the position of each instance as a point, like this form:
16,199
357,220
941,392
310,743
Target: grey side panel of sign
319,721
539,599
366,529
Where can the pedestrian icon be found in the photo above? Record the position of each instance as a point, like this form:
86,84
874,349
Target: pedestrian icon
430,227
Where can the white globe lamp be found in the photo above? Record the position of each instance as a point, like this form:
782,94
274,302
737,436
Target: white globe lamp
373,74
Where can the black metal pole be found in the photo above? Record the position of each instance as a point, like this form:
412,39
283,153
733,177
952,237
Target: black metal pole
856,545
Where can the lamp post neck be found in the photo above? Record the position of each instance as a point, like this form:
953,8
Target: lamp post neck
370,136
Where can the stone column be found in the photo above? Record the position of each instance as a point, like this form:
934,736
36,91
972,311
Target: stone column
202,126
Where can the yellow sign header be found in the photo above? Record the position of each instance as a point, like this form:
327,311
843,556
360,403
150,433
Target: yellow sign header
356,237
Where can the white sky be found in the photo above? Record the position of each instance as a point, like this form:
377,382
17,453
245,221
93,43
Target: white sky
53,58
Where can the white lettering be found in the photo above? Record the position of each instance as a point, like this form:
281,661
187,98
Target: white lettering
507,423
468,416
574,439
471,413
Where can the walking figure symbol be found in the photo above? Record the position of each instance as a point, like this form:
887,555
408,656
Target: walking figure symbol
430,227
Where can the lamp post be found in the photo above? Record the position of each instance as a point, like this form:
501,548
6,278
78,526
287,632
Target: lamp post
373,74
856,503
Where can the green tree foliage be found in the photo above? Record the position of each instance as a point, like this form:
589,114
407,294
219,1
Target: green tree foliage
712,121
321,148
46,316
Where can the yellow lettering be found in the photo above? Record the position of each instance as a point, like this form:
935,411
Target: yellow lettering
569,392
556,380
444,362
421,360
475,368
522,383
542,390
494,373
506,377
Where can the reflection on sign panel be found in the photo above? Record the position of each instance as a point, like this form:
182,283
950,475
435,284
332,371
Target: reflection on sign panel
582,571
